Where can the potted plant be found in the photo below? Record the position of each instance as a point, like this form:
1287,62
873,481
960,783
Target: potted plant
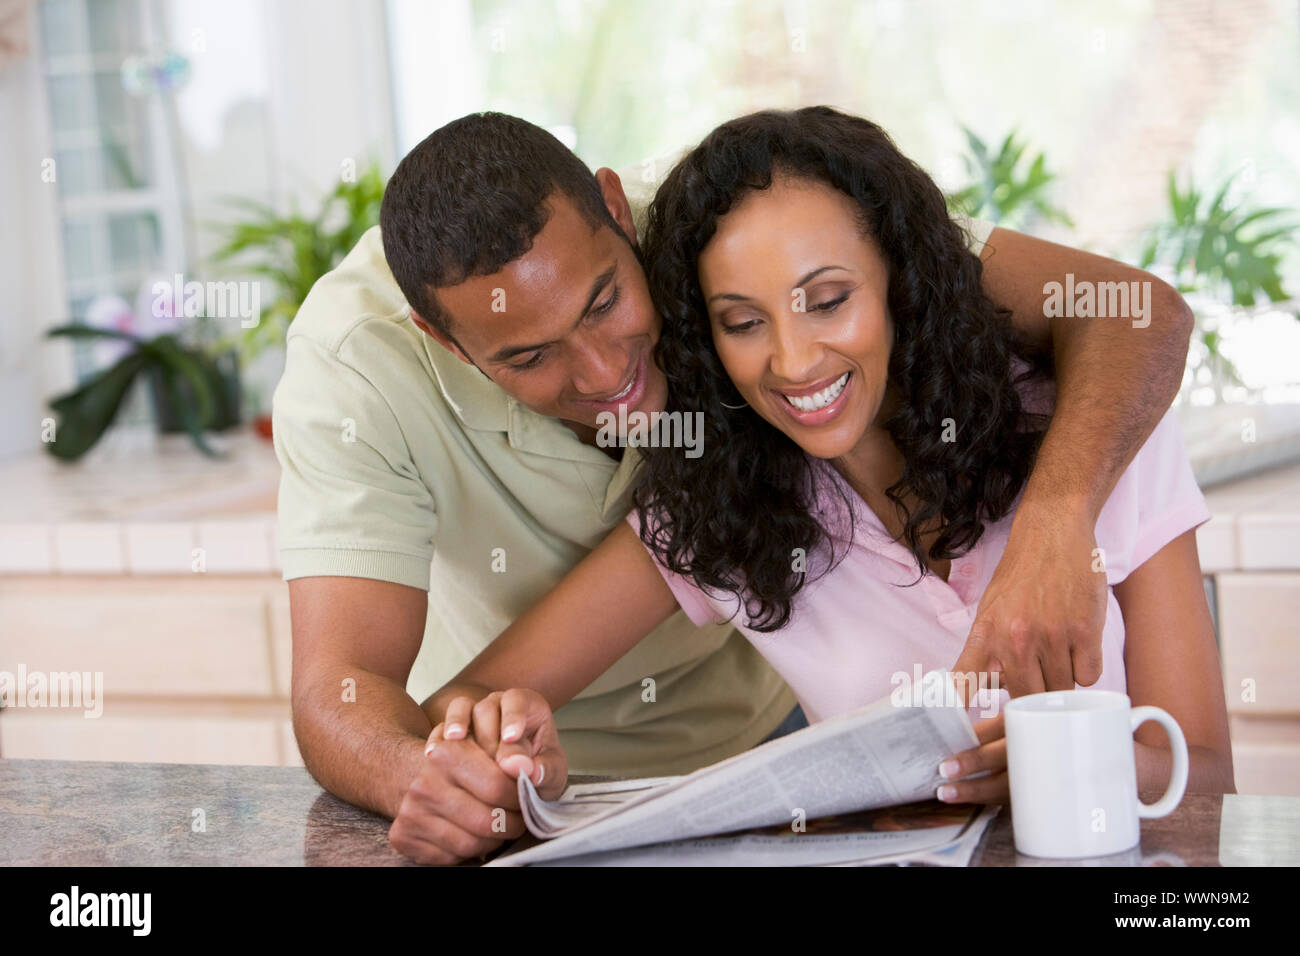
1223,256
191,391
293,251
1001,189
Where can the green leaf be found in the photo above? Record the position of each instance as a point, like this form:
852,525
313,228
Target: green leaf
189,417
999,190
86,412
189,365
90,332
294,250
1235,253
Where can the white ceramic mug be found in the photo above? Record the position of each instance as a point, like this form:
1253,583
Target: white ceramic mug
1072,773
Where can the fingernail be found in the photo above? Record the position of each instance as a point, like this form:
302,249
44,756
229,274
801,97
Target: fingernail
949,769
429,749
454,730
511,732
947,794
541,775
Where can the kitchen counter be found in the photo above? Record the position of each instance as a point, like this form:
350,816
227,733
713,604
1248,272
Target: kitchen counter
80,813
143,507
85,813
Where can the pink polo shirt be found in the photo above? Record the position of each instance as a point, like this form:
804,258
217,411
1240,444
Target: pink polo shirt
855,636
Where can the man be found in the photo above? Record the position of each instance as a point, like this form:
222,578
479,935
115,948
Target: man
437,428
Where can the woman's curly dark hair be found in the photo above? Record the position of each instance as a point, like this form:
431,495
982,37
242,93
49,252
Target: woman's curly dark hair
731,518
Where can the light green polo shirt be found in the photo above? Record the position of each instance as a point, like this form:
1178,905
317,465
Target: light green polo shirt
402,463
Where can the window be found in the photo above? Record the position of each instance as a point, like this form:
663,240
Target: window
114,171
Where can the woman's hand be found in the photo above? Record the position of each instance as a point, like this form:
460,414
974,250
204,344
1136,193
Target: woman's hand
517,729
991,756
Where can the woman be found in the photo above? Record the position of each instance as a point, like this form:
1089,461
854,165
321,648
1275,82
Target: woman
869,425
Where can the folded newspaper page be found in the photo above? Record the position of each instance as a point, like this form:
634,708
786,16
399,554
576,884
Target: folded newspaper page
918,834
885,754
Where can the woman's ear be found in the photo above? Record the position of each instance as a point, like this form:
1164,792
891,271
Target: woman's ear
611,187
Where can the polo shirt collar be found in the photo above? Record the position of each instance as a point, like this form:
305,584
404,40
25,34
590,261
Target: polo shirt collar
474,398
482,405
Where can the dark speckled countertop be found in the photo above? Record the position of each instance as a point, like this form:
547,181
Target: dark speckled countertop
81,813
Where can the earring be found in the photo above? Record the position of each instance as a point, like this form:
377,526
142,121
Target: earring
742,405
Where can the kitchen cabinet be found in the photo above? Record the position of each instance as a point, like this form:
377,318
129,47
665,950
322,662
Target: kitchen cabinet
195,669
158,569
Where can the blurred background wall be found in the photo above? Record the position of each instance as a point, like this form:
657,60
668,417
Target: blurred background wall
149,144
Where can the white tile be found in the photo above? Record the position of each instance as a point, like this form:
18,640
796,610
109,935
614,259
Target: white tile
26,548
163,547
290,756
273,536
180,738
86,547
194,638
1216,542
1269,542
1257,638
235,547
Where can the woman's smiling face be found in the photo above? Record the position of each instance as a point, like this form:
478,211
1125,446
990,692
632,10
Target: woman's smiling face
797,300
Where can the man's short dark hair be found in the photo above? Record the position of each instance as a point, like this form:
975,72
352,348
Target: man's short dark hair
471,198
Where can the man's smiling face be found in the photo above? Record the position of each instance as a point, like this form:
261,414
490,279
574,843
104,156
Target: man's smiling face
568,328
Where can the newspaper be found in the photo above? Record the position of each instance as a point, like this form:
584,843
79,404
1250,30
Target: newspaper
929,834
880,756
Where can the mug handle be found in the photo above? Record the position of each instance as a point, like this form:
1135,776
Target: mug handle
1178,746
